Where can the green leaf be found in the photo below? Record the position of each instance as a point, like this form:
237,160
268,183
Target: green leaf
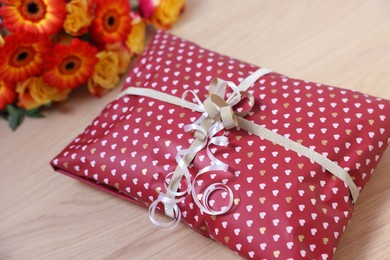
34,113
15,120
16,115
12,109
38,115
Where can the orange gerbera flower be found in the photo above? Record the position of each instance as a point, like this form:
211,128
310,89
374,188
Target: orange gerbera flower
70,66
33,16
7,94
22,57
112,22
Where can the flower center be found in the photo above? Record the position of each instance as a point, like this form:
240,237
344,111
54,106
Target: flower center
110,21
70,65
33,10
22,56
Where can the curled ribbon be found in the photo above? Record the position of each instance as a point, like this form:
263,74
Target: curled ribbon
222,116
217,114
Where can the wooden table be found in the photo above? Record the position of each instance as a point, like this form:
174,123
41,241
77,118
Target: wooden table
45,215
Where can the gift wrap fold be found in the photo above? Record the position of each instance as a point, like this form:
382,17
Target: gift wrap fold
268,165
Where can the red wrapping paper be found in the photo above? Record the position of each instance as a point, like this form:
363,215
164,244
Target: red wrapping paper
285,206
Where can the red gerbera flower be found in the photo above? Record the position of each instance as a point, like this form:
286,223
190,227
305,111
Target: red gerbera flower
7,94
22,57
70,66
33,16
112,22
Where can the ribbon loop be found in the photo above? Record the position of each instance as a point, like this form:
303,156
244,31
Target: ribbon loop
218,108
228,117
210,108
162,198
250,103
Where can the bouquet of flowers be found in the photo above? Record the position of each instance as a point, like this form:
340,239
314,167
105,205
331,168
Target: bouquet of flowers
50,47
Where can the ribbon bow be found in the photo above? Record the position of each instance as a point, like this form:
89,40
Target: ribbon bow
218,108
219,114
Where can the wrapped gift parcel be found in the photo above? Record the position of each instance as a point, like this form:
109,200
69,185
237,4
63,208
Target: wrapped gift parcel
268,165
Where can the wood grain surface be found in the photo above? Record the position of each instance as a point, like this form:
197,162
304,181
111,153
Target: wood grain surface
45,215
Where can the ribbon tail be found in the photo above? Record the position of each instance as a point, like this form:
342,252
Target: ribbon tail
152,93
251,79
187,159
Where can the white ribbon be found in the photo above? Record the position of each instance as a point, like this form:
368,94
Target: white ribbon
166,201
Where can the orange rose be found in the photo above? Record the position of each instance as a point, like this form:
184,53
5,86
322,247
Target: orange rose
106,74
35,92
163,13
123,54
7,94
136,39
78,17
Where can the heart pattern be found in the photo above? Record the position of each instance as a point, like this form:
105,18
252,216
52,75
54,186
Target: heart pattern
285,206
